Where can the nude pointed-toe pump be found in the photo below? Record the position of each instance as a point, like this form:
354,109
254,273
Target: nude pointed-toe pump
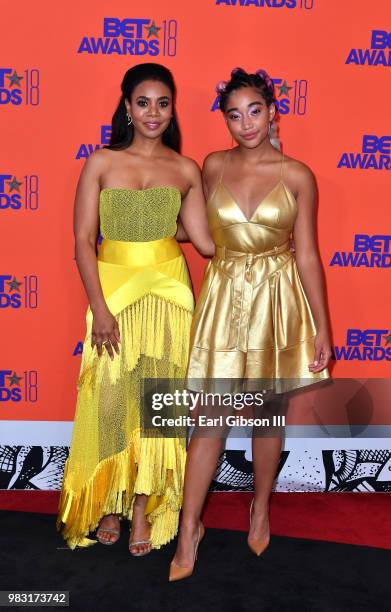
257,546
176,571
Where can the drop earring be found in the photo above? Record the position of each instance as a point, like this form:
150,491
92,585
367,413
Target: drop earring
129,118
273,135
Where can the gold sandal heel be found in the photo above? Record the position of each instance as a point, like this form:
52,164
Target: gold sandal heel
136,543
107,542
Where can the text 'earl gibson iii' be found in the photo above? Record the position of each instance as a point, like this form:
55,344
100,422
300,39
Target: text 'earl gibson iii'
230,421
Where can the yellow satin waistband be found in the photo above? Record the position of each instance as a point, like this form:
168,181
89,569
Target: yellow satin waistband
224,253
138,254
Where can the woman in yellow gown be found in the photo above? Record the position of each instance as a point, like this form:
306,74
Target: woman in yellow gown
138,320
261,315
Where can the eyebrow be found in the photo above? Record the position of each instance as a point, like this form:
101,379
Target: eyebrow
160,98
248,106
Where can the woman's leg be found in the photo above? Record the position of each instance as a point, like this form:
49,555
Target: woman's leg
201,462
266,455
141,528
266,451
202,457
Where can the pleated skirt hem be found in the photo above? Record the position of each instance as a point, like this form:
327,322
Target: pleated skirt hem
112,489
276,370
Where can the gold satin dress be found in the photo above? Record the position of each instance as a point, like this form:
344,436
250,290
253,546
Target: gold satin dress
252,319
146,285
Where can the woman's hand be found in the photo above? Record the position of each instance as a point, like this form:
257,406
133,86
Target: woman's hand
322,354
105,332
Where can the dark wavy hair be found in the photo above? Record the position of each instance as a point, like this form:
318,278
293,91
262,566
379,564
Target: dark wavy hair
260,80
121,133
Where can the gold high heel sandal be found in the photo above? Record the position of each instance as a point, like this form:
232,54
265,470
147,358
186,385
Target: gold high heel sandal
137,543
176,571
134,543
257,546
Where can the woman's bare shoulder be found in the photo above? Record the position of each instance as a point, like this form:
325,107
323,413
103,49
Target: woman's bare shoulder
214,160
297,169
100,160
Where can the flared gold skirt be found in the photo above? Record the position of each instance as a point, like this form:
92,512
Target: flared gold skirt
253,321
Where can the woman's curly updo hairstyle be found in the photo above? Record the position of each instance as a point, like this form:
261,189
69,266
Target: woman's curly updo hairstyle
260,80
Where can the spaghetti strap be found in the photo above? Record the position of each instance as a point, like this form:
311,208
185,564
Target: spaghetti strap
223,167
282,165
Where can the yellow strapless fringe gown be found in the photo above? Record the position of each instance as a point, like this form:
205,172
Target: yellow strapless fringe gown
252,319
147,288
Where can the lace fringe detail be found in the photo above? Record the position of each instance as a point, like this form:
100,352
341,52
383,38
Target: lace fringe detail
154,327
109,462
116,481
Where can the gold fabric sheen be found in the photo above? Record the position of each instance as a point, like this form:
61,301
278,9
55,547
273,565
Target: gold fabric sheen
252,319
147,288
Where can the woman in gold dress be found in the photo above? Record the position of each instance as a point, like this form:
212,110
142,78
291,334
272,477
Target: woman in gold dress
138,320
261,314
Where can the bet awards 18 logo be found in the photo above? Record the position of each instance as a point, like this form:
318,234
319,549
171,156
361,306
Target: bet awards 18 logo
16,194
291,96
133,37
375,154
78,350
378,55
277,4
16,293
86,148
365,345
16,387
368,252
19,87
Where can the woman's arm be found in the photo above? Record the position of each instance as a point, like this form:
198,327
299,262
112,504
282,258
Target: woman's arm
309,264
193,211
210,171
181,235
86,223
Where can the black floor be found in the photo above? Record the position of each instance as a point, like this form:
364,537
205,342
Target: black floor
292,574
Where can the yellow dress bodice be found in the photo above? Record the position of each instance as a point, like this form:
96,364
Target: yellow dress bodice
139,215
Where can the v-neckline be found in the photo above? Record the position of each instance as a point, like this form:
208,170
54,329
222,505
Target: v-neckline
249,219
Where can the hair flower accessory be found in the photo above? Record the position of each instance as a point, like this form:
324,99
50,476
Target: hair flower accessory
264,75
221,87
